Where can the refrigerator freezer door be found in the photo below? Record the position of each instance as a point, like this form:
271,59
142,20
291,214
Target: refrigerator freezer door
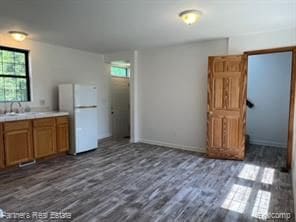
85,95
86,129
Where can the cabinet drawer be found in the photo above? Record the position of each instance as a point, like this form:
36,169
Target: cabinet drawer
44,122
17,125
62,120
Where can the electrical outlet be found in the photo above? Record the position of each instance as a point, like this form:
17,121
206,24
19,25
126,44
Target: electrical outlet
42,102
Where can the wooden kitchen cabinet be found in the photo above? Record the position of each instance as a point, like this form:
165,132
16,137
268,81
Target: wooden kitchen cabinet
18,145
2,163
62,134
22,141
44,136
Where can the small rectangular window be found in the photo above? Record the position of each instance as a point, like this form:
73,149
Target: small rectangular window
119,71
14,75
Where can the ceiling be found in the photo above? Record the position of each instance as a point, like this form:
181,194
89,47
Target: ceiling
117,25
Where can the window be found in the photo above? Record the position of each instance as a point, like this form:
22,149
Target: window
14,75
249,172
237,198
260,209
268,175
119,71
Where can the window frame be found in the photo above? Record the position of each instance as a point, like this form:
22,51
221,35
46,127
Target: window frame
126,71
27,69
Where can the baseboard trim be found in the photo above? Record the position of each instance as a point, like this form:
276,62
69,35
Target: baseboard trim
267,143
102,140
175,146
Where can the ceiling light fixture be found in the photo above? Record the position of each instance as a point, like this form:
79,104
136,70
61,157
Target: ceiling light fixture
190,16
18,36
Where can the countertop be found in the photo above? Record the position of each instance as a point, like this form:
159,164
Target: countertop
30,115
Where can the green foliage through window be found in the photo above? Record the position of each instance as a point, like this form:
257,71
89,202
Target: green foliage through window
119,71
14,76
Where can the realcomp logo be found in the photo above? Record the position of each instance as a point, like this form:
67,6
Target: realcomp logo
278,215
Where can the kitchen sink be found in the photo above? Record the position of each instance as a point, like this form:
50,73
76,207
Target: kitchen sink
14,114
22,114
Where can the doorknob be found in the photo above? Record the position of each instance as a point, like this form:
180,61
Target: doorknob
210,113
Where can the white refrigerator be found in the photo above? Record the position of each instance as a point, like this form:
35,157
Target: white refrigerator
81,103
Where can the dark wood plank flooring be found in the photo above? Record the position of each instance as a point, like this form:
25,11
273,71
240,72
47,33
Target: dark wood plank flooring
141,182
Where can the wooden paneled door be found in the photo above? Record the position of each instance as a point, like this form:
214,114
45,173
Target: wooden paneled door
227,106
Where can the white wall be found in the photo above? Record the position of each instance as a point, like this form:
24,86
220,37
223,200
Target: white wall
52,65
172,93
269,78
281,38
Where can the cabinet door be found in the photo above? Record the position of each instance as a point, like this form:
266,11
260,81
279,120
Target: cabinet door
18,142
62,134
44,137
2,164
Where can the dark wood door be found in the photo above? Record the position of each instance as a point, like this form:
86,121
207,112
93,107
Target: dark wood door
227,107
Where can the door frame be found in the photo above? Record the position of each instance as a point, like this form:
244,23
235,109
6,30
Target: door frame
292,92
129,103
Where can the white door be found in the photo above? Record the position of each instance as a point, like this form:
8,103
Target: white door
86,129
85,95
120,107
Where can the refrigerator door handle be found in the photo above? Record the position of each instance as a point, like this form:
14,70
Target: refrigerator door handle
85,107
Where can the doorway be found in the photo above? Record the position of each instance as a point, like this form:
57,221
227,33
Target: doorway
120,99
268,100
292,88
227,96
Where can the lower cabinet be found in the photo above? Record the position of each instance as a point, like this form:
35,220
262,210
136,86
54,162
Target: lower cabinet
18,145
44,136
25,140
62,134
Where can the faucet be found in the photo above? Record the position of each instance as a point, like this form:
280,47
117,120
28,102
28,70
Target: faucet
11,105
